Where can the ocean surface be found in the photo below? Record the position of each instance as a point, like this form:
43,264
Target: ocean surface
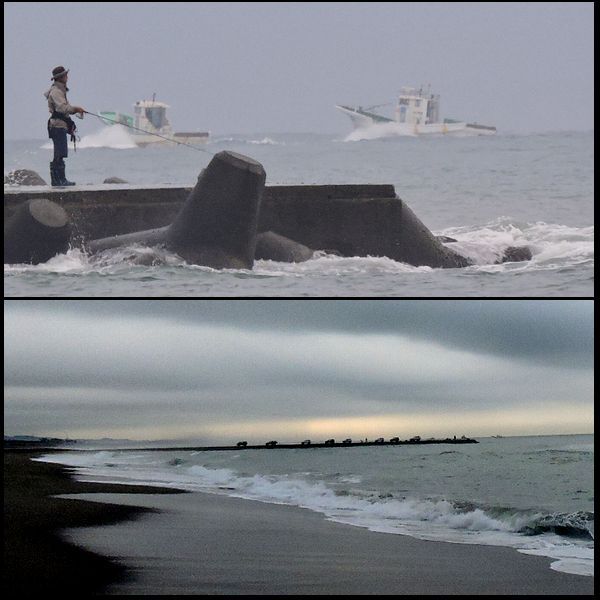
533,494
486,192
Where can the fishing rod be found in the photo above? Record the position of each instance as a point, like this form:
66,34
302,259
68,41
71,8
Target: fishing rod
150,133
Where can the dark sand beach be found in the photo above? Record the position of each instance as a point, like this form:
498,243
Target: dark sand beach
199,543
36,559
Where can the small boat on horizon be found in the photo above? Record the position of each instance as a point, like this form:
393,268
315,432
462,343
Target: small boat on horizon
149,125
417,112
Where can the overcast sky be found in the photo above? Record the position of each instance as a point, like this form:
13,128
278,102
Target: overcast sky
247,67
218,371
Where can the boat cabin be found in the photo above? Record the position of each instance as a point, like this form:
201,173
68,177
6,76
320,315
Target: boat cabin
150,115
416,107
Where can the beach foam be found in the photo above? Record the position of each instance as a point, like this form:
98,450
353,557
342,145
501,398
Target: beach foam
566,537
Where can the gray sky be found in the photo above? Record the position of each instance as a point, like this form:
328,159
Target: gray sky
247,67
220,370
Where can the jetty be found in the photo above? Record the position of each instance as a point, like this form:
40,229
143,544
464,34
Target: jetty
227,220
307,444
59,444
346,219
320,215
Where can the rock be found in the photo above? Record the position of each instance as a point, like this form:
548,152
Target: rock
416,245
23,177
272,246
516,254
445,239
114,180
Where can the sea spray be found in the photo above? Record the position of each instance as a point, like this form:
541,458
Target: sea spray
116,137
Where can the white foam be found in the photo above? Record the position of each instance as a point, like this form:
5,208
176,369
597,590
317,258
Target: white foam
116,260
73,261
266,141
334,266
569,559
381,130
551,244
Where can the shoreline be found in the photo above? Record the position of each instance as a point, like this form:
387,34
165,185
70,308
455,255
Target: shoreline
214,544
36,559
200,543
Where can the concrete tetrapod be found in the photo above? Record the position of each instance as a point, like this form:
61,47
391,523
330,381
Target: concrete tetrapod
36,231
271,246
217,225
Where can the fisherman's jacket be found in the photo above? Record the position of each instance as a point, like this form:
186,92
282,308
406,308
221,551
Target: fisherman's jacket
57,102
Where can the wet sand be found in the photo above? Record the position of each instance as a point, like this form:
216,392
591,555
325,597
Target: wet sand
149,541
208,544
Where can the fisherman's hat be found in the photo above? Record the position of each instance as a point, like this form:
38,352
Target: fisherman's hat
59,72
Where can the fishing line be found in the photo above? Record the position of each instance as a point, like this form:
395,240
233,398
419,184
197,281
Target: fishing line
150,133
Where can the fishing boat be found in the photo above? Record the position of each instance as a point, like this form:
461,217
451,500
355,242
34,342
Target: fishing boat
417,112
149,125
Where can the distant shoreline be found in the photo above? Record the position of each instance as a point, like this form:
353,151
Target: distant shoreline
116,445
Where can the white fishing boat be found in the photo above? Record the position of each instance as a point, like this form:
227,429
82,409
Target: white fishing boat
417,112
149,125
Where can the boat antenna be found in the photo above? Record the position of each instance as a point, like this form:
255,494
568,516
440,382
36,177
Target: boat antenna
149,133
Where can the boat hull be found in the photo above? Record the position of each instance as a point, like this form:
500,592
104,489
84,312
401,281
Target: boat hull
378,126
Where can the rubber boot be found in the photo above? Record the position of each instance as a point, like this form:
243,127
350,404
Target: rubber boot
61,174
54,175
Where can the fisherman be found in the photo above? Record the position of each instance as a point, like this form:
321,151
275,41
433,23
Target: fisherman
60,124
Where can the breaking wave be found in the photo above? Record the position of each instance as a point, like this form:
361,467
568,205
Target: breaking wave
565,537
553,246
265,141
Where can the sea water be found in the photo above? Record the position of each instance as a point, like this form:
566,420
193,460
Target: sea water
488,193
534,494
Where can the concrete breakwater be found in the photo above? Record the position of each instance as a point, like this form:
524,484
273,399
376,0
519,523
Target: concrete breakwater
226,218
274,445
352,220
98,211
